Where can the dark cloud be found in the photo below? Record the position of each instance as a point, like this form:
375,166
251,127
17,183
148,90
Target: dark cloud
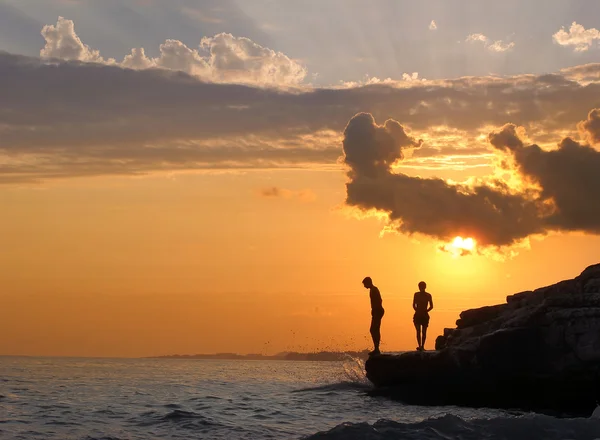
429,206
567,176
591,126
506,138
369,158
116,120
565,199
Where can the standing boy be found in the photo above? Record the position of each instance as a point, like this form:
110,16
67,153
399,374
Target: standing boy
422,304
376,313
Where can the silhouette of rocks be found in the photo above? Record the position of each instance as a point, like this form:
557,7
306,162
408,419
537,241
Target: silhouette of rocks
540,351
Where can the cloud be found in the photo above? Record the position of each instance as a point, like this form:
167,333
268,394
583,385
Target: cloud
577,36
477,37
567,178
433,25
275,192
62,119
62,42
379,157
492,46
500,46
583,74
560,193
591,127
372,80
428,206
221,58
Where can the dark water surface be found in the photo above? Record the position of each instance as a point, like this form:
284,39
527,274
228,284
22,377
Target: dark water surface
70,398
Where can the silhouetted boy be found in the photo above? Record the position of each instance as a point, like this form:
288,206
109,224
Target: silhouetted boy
422,303
376,313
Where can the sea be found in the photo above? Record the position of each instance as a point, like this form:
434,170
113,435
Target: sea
114,399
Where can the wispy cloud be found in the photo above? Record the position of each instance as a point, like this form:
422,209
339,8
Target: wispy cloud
274,192
492,46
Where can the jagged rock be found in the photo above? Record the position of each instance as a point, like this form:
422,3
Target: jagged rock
472,317
539,351
440,342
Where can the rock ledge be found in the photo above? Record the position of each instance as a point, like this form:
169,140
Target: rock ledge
540,351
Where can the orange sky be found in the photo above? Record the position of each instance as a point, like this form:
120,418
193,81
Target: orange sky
203,263
217,178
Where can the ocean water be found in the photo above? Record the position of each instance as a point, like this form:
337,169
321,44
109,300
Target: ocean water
111,399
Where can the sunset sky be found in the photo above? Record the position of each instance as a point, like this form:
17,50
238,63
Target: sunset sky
191,176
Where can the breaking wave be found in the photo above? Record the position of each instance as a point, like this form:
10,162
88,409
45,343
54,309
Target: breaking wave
527,427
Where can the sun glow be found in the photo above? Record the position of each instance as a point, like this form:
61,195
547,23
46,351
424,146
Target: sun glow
460,246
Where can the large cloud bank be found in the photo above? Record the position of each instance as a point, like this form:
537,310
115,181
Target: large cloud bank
71,112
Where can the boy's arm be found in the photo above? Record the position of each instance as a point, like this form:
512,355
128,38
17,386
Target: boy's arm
415,302
430,303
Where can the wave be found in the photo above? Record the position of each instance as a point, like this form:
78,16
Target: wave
339,386
102,438
526,427
184,419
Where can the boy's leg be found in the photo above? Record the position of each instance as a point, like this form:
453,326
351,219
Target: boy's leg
418,328
375,331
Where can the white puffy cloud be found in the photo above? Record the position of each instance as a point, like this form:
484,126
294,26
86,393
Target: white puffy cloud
433,25
234,58
577,36
62,42
492,46
221,58
137,59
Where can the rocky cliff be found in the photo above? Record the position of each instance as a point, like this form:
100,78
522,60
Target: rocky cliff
539,351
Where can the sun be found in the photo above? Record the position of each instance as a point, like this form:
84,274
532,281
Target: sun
460,246
467,244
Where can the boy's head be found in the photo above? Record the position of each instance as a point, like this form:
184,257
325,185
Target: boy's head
422,286
367,282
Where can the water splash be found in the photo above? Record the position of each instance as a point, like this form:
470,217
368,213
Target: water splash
354,371
351,377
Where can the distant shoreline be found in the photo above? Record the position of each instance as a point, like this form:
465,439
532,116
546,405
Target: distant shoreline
322,356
